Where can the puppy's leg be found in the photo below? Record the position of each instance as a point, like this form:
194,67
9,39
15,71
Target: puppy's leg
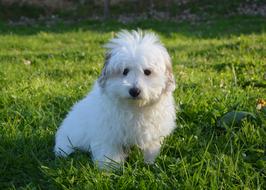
63,146
151,150
107,155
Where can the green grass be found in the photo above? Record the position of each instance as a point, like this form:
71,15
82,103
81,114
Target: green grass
219,66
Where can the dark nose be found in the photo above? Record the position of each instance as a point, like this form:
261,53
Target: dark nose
134,92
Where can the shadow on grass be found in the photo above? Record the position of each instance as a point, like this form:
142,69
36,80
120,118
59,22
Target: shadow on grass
32,159
28,159
208,29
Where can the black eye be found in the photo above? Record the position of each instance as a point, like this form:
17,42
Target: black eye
147,72
125,72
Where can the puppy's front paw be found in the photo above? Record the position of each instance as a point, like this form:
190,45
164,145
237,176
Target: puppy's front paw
149,161
108,157
151,152
108,165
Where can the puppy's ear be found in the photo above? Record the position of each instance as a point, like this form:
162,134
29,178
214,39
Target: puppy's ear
170,83
103,77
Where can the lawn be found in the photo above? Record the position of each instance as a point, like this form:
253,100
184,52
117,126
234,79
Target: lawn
219,65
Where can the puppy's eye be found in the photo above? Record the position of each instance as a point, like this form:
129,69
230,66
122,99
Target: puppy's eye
147,72
125,72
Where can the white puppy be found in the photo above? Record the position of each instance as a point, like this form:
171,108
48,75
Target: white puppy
131,103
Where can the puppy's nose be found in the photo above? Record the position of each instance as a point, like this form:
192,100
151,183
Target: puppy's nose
134,92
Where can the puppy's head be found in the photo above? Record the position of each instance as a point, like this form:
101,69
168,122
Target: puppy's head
137,68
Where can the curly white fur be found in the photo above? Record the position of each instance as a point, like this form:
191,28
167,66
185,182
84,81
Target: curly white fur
109,120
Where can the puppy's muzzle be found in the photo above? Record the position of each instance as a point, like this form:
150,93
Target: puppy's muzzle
134,92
